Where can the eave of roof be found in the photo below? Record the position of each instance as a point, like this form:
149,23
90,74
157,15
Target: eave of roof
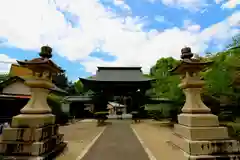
114,104
15,96
119,68
118,74
77,98
132,81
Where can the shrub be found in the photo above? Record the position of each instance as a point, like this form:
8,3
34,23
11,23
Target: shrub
101,117
226,116
55,103
233,129
155,114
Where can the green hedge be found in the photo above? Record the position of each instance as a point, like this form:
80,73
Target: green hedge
54,102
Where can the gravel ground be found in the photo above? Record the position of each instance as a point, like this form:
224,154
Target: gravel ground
78,136
155,136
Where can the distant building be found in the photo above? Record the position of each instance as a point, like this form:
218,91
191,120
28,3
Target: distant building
14,94
113,108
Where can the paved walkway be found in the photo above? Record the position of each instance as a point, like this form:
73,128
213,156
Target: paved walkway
117,142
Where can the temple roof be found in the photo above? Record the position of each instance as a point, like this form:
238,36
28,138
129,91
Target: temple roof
114,104
13,79
118,74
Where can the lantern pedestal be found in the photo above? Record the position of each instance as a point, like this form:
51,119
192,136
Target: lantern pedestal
33,134
198,133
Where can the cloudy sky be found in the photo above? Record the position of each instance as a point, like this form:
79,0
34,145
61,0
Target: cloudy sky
85,34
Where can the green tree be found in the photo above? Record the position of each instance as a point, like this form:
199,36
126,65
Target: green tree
218,76
166,84
60,80
79,87
3,77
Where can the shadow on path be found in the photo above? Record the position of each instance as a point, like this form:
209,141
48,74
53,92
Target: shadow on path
118,142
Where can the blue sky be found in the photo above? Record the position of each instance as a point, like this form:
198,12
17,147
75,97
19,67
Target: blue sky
85,34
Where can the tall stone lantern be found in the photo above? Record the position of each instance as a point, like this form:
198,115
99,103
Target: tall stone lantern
198,134
33,133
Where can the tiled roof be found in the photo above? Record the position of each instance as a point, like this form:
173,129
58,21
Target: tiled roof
119,74
13,79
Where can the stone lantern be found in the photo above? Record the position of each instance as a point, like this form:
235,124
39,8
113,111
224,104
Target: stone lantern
34,132
198,133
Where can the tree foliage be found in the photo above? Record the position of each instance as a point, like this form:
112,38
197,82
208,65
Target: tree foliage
166,85
3,77
218,77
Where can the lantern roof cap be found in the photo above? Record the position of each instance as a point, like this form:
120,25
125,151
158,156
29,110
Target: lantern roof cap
188,63
43,62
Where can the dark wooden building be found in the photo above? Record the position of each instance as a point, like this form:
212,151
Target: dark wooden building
129,83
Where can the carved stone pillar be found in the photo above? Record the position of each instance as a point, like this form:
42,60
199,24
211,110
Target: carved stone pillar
33,134
198,133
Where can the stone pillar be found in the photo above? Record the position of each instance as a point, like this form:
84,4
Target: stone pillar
33,134
125,110
198,133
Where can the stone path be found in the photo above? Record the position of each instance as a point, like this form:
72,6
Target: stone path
155,135
78,135
117,142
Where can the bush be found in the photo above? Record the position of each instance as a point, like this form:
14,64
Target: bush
101,117
155,114
55,103
226,116
233,129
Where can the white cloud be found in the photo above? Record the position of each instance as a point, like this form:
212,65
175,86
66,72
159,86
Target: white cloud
218,1
33,23
198,5
230,4
192,5
159,18
191,26
121,4
5,63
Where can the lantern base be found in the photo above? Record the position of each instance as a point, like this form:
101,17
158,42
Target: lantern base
201,133
32,137
32,120
50,155
205,150
200,137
